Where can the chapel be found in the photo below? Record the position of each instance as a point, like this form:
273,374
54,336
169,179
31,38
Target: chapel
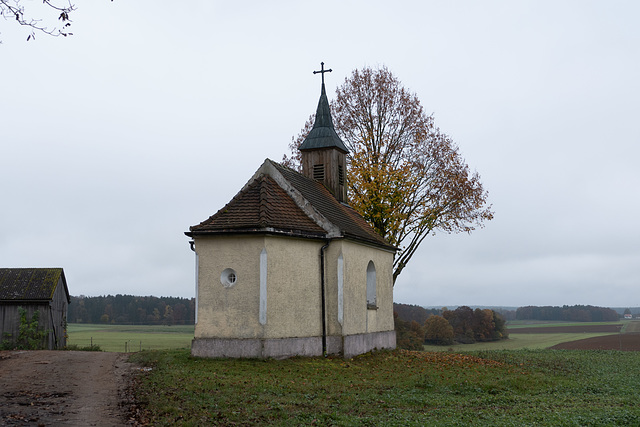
288,268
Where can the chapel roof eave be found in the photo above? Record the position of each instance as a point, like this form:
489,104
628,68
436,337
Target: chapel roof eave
256,231
283,233
370,242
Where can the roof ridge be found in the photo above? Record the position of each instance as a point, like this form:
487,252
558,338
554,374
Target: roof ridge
244,190
264,201
263,205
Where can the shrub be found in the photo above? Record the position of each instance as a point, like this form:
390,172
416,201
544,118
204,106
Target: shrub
76,347
438,331
409,335
29,337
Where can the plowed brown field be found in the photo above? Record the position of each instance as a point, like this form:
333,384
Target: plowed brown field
624,342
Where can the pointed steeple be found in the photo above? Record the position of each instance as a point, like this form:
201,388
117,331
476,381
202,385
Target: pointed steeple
323,134
323,152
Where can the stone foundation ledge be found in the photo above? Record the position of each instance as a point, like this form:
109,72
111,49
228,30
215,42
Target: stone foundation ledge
353,345
282,348
276,348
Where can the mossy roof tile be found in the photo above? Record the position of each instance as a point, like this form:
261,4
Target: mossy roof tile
29,284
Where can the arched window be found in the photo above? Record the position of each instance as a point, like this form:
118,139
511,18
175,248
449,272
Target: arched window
371,285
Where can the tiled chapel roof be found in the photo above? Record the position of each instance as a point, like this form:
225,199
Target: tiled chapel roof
280,200
350,223
30,284
262,205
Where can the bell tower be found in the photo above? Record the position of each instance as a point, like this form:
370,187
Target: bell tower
324,155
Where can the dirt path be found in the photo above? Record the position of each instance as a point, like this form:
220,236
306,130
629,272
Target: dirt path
63,388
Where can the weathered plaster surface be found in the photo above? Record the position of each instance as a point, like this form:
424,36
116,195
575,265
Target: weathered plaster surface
274,309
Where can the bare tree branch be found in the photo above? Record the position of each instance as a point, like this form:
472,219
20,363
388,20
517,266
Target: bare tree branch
15,10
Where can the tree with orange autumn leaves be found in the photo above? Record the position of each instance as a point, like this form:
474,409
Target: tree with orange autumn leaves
405,177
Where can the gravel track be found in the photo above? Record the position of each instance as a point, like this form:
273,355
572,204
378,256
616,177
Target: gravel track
65,388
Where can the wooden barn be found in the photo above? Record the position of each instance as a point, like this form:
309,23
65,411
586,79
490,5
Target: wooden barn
34,289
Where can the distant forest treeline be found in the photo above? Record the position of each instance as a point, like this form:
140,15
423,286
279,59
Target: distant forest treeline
468,325
576,313
129,309
149,310
415,313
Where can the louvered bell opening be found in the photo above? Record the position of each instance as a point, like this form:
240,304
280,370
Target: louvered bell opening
340,175
318,172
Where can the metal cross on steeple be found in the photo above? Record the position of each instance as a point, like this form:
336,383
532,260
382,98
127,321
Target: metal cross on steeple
322,71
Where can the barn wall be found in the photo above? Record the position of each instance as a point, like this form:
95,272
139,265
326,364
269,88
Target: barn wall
58,317
11,319
9,322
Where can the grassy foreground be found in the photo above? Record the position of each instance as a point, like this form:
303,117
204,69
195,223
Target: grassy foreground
499,388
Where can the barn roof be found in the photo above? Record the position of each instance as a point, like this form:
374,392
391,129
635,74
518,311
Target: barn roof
30,284
279,200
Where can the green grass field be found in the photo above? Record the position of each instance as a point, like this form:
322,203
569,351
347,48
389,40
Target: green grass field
395,388
513,325
129,338
517,342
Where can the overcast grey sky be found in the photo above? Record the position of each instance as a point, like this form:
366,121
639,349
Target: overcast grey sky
152,116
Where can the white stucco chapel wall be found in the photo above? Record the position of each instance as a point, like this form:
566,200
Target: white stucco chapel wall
291,287
276,294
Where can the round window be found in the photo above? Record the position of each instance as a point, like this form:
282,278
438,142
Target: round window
228,277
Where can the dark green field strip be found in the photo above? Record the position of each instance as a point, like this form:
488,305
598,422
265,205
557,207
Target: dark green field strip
570,329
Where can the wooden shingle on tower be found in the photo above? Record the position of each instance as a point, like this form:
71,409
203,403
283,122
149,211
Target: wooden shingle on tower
288,268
